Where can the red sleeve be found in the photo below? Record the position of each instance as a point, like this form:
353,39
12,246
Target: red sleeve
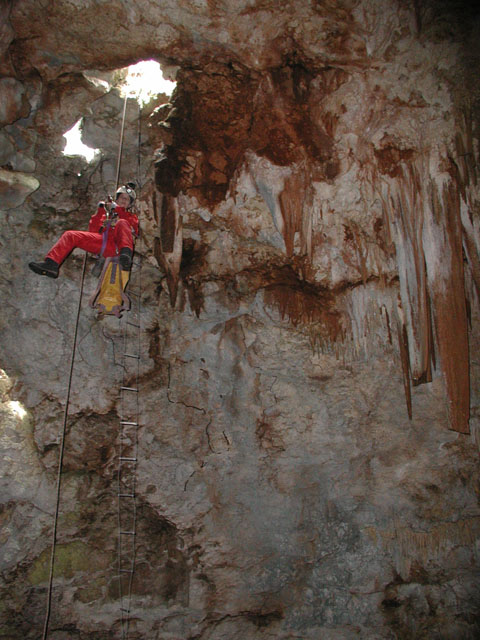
96,220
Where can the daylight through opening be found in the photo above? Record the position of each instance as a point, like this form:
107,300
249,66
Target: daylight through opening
142,81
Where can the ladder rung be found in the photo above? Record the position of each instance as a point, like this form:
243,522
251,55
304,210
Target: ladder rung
128,389
132,324
126,570
127,533
123,459
131,424
126,495
131,355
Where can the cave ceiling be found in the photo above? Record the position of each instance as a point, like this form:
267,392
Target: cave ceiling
56,38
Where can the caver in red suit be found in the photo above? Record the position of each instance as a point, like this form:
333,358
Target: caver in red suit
115,237
106,236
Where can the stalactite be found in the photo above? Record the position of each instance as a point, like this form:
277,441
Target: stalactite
355,240
443,245
365,313
405,213
168,248
468,176
292,204
302,305
403,346
306,247
424,208
384,311
471,238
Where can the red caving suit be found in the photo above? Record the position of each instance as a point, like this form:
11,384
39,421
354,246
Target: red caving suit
118,237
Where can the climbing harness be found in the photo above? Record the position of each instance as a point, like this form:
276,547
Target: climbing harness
109,298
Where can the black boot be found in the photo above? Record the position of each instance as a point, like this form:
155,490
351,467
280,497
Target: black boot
126,258
48,268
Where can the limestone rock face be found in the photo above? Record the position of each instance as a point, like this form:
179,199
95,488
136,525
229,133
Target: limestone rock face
301,457
13,102
15,187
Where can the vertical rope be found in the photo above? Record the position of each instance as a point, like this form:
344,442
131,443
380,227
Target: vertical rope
139,145
120,145
60,458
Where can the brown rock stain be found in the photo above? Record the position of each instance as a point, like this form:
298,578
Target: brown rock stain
450,313
217,115
389,159
303,303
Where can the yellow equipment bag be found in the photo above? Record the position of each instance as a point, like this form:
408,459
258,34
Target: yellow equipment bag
110,297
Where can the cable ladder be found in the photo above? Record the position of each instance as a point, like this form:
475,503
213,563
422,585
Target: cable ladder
127,446
128,433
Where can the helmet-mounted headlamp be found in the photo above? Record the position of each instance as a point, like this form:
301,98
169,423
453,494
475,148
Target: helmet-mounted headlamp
129,189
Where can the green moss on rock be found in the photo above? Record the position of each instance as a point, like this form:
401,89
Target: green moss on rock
70,559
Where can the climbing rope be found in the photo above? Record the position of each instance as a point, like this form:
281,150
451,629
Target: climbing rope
60,457
139,146
120,144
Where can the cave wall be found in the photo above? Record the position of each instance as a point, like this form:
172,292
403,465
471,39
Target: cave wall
309,424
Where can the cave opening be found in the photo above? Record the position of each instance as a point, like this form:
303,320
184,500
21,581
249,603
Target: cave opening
74,145
140,81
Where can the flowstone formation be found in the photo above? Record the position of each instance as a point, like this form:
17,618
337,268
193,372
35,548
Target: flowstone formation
309,413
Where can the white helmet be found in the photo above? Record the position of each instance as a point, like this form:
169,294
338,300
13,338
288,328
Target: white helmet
129,190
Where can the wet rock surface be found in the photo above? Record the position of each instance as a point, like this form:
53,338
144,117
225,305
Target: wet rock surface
309,270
